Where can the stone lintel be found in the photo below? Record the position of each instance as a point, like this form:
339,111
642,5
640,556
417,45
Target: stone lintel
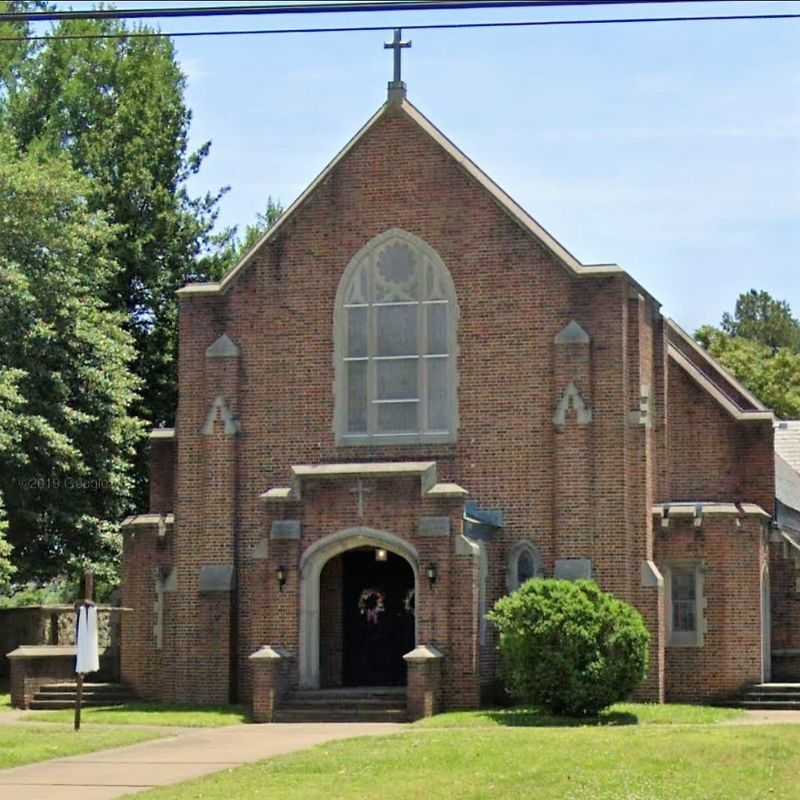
162,435
424,470
286,529
689,509
433,526
281,495
143,520
424,652
573,569
446,491
216,578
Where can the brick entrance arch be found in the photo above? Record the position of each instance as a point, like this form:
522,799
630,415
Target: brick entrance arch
312,563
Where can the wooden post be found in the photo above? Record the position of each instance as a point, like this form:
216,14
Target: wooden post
88,591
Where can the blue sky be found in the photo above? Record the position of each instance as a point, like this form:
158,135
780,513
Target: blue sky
671,149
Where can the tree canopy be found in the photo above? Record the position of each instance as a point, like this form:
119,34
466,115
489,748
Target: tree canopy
116,108
760,344
67,434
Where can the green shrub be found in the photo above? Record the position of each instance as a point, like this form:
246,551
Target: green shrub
569,647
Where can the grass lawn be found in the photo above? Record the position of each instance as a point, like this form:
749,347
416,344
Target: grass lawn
150,714
24,744
619,714
5,702
586,763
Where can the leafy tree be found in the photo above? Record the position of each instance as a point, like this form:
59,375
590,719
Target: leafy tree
237,247
116,107
67,434
13,53
569,647
772,375
7,568
761,318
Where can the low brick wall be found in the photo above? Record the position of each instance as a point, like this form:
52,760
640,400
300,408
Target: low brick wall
34,667
55,626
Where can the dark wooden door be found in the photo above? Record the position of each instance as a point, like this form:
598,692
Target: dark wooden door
378,618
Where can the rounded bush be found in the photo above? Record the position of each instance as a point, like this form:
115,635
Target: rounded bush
568,647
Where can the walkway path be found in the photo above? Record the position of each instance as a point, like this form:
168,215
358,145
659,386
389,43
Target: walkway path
128,770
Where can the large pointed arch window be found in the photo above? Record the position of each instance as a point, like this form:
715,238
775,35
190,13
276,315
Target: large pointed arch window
395,333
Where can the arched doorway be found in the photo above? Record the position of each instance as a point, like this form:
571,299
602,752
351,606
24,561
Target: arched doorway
367,618
357,604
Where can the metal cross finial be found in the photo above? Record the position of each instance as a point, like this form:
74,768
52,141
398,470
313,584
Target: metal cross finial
398,45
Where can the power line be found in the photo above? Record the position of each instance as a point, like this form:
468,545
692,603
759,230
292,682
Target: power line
428,27
311,8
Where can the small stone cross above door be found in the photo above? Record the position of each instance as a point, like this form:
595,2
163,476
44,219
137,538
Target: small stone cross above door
359,491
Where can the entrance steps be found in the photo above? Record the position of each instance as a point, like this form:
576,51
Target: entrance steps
767,697
370,704
55,696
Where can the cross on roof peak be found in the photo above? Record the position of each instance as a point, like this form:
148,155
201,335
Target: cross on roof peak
397,89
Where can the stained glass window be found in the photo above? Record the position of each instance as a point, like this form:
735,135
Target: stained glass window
397,364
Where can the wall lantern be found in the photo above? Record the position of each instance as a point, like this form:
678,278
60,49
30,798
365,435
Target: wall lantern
432,574
281,575
381,555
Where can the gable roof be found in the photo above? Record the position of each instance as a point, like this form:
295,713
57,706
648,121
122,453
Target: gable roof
504,200
711,376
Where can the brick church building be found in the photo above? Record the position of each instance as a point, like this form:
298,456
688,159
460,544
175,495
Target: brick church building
407,399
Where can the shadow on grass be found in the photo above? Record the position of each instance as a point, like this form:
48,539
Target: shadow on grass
533,718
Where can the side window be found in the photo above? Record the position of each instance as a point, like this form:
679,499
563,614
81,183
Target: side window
524,563
686,617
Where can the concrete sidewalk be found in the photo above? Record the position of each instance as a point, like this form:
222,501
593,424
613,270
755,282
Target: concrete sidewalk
191,754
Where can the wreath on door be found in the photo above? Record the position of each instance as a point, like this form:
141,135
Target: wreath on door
372,603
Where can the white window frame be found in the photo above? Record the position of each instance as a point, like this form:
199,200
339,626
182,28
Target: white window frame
695,638
525,547
342,358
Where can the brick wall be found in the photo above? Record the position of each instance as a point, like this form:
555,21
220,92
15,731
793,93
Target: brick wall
731,653
581,492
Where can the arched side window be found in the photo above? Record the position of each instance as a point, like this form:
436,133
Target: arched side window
395,336
524,562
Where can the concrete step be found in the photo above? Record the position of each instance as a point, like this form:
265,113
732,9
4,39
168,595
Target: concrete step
53,696
766,705
104,695
344,702
55,705
786,691
291,714
757,696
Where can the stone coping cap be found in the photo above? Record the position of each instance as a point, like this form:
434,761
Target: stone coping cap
148,519
786,653
61,607
162,434
387,469
688,509
423,652
46,651
270,653
424,470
